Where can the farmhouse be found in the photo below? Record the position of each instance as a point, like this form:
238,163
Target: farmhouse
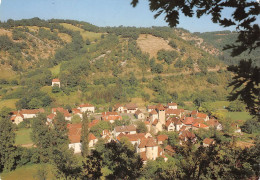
131,108
31,113
139,114
131,129
86,108
17,117
55,82
172,105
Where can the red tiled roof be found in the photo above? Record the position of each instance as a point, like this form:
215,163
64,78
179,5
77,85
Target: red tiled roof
138,112
132,137
202,115
151,107
93,123
51,116
110,114
74,132
151,142
112,118
187,134
91,137
131,106
194,112
183,128
208,141
169,148
199,125
160,107
153,112
168,123
86,105
212,122
76,111
155,122
116,106
65,112
146,122
172,104
162,137
125,128
31,111
143,156
188,120
55,80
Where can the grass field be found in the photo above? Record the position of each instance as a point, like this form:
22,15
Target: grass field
85,34
61,98
28,172
23,136
55,70
220,104
238,115
10,103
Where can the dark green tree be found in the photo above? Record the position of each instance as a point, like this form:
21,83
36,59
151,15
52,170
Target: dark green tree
141,127
7,148
41,137
84,136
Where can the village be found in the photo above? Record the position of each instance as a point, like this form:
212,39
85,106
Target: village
157,119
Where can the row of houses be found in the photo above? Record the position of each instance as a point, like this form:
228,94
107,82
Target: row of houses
20,115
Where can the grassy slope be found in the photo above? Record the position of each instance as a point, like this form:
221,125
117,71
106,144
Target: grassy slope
27,172
8,103
23,136
85,34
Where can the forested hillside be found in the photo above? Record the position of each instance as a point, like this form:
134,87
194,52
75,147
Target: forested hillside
220,39
105,65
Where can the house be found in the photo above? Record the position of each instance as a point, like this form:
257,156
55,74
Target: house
55,82
197,126
208,142
162,138
151,108
139,114
169,150
172,105
133,138
51,117
77,112
188,121
175,112
74,134
119,108
187,135
131,108
214,124
148,149
203,116
31,113
170,125
86,108
17,117
157,126
111,118
153,115
92,140
65,112
131,129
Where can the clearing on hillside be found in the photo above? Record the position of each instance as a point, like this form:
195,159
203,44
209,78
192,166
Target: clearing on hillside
151,44
85,34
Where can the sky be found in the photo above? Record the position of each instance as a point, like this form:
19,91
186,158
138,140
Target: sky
99,12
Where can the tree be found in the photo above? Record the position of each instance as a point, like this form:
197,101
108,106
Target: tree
41,137
141,127
7,148
246,85
173,139
84,135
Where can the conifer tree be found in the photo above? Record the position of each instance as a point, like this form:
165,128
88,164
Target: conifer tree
41,137
84,136
7,148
